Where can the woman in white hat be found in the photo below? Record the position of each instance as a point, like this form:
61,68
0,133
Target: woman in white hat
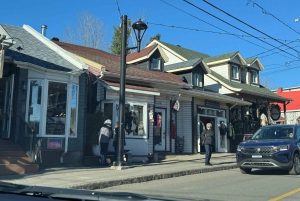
104,137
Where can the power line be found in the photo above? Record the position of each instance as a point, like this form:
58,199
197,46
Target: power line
118,7
210,24
214,32
268,13
249,25
236,27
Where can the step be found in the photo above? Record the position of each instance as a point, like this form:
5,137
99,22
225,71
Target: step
12,154
15,160
12,169
5,142
10,148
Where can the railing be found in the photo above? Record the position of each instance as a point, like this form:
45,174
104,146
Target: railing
27,138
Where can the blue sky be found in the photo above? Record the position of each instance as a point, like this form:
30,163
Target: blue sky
282,69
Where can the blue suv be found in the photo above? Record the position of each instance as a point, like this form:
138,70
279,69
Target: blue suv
271,147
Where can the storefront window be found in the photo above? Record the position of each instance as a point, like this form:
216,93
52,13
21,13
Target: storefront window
73,119
210,112
108,110
220,113
34,106
56,108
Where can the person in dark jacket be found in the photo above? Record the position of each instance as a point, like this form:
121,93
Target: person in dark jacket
105,135
208,138
116,137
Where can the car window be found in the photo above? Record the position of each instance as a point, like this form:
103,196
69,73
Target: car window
274,133
298,133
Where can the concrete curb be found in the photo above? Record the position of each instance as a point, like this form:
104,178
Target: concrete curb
152,177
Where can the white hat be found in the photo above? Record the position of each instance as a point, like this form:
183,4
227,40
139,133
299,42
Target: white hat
108,121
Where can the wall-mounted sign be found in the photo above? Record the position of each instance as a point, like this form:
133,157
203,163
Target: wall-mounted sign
210,103
54,143
275,112
176,105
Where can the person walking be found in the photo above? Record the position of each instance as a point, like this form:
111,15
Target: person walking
104,138
208,139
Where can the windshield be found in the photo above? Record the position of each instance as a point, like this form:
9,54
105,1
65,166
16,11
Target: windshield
274,133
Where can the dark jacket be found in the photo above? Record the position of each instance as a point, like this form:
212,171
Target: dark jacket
116,137
208,136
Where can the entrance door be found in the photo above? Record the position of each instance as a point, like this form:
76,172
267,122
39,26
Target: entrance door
221,134
7,106
159,136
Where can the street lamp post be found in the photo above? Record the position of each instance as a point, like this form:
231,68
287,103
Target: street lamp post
139,29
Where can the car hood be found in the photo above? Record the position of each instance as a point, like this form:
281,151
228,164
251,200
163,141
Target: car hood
267,142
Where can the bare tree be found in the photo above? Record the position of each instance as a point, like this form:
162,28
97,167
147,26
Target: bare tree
267,83
89,31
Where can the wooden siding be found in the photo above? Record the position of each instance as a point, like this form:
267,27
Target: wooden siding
236,60
184,125
222,70
244,75
100,92
214,86
172,58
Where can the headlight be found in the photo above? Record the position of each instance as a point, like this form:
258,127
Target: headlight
281,148
240,148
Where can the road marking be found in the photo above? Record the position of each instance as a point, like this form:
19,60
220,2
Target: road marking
285,195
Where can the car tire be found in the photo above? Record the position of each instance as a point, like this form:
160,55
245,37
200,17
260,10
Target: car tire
245,170
296,165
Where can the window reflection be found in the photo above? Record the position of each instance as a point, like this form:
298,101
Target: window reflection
56,108
34,109
73,120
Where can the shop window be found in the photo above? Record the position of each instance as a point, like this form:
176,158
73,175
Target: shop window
201,110
73,119
235,72
220,113
34,104
210,112
134,120
197,80
56,108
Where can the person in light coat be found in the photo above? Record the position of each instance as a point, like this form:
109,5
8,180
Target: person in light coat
105,135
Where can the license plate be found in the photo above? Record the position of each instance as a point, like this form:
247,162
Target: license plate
256,156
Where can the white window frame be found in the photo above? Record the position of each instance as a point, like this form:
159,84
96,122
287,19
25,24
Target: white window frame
44,104
158,64
197,80
237,74
256,77
116,116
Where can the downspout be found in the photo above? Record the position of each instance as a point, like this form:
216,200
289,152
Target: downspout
68,114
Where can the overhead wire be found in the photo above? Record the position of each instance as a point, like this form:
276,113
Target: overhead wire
242,23
268,13
211,24
119,10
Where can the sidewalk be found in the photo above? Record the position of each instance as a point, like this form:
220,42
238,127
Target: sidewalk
92,178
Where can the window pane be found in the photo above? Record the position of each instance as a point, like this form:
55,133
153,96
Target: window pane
56,108
235,72
254,77
73,120
137,120
155,64
34,107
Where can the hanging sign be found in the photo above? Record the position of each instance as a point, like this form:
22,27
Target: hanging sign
275,112
176,105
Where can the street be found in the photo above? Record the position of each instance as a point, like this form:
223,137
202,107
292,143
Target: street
223,185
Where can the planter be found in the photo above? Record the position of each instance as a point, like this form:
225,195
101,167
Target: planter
96,150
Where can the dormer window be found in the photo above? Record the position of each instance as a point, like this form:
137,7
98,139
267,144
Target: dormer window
197,80
254,77
235,72
156,65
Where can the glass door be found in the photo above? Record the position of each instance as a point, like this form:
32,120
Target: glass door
159,136
221,134
7,107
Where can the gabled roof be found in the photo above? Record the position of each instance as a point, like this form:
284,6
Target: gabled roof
246,88
145,54
36,50
251,61
224,58
112,64
186,65
184,53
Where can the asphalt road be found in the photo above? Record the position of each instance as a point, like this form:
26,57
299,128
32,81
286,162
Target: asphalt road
226,185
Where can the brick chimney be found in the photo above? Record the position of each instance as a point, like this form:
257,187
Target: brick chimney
279,89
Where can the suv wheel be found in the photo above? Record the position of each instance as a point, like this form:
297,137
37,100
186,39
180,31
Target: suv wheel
245,170
296,165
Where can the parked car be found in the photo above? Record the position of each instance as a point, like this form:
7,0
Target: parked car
271,147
